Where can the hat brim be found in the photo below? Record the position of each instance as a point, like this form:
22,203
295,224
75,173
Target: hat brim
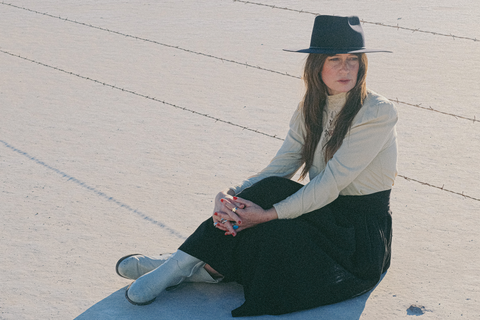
337,50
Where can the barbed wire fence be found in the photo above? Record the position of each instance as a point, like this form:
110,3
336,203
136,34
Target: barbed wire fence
440,188
202,114
94,190
245,64
140,95
398,27
147,40
363,21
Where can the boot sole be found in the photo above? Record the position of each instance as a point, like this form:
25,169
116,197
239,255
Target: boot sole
137,303
120,261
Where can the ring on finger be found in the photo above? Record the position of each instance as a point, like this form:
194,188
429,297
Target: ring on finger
223,220
215,224
234,210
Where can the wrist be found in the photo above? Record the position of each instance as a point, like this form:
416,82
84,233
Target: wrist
271,214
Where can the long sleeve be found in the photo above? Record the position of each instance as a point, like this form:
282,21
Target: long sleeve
365,163
287,161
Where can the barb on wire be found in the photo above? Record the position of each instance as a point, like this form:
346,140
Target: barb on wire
363,21
218,58
94,190
474,119
139,94
193,111
441,188
148,40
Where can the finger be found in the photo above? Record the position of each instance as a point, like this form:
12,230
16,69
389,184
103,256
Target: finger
239,229
231,207
221,215
216,217
239,205
234,202
230,230
221,227
241,201
223,222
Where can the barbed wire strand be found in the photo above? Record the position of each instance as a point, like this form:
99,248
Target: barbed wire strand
199,113
299,11
147,40
141,95
437,187
363,21
94,190
220,58
474,119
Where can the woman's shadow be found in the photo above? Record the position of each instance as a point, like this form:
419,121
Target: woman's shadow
202,301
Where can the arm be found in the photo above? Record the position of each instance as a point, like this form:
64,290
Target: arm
288,159
367,138
286,162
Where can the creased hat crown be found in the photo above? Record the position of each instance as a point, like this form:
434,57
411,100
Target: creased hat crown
335,35
337,32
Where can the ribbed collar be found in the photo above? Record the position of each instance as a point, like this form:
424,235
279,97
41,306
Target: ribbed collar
336,101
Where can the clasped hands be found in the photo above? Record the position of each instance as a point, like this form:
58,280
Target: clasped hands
233,214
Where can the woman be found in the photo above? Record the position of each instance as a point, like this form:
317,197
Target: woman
295,246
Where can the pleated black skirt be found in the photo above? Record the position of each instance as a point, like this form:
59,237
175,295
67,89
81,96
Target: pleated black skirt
326,256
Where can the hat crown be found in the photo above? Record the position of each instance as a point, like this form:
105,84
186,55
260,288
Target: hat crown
337,32
337,35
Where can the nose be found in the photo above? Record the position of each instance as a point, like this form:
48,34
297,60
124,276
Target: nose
345,66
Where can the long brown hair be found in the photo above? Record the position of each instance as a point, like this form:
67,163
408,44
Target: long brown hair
314,102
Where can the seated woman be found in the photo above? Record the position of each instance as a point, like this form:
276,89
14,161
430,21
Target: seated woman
295,246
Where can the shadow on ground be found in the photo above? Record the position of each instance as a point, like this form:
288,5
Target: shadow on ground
202,301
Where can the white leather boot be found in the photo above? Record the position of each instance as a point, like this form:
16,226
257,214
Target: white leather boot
134,266
175,270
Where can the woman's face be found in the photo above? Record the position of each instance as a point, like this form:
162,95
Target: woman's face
339,73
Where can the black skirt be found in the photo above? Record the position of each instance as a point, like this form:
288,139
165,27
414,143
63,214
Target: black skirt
286,265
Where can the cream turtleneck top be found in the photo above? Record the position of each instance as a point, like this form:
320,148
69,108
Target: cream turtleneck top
333,107
364,164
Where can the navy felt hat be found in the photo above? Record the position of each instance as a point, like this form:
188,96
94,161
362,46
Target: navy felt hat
337,35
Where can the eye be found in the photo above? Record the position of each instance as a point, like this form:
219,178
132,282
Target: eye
334,59
353,58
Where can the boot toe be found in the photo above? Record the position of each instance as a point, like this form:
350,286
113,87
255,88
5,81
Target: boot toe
136,265
135,299
122,266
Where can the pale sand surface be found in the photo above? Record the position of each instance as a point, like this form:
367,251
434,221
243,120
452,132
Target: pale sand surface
89,173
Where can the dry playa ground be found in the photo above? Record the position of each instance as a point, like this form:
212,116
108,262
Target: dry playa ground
120,121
